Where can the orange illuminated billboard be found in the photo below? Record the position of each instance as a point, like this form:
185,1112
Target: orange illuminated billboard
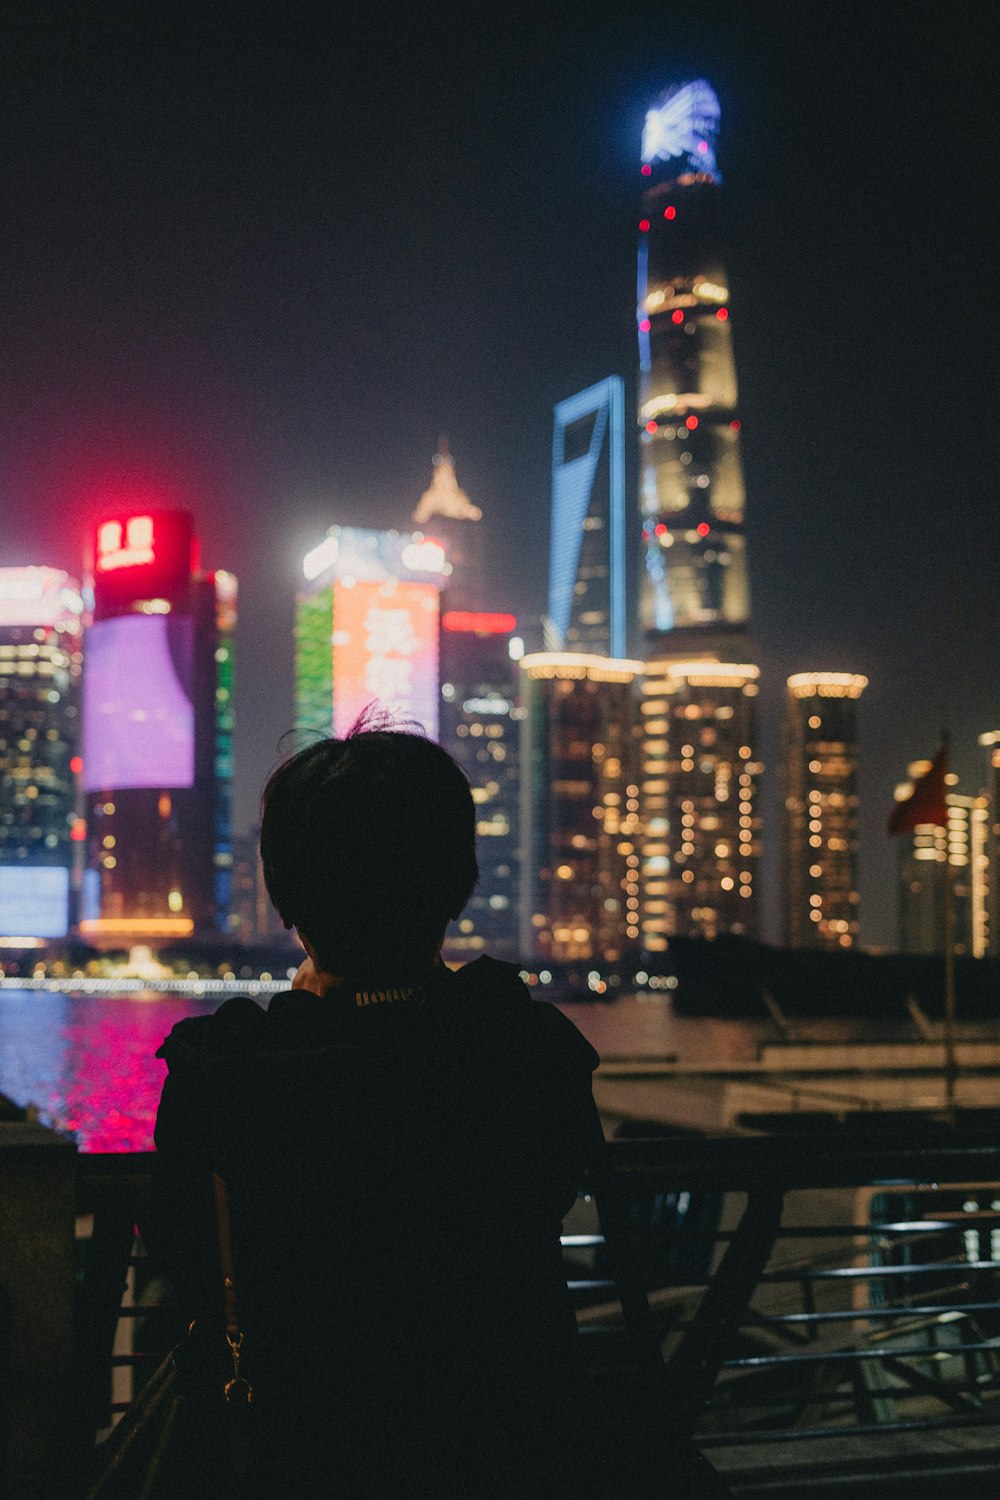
385,652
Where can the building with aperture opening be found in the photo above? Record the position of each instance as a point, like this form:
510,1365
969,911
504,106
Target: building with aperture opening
587,580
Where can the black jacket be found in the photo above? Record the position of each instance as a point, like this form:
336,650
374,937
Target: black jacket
398,1172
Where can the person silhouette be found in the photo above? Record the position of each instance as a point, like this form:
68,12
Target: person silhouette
400,1144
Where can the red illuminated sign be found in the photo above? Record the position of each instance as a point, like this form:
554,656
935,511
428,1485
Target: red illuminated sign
479,624
148,554
125,544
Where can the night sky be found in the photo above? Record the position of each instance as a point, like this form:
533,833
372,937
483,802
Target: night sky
255,260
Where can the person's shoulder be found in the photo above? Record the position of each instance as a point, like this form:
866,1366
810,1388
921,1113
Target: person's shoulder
490,983
237,1026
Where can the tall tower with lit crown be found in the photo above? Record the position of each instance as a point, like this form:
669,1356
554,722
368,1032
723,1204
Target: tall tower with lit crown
445,509
694,597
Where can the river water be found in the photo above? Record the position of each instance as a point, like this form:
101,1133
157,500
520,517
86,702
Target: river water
87,1063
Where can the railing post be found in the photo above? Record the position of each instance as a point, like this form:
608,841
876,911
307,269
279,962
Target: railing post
694,1365
37,1210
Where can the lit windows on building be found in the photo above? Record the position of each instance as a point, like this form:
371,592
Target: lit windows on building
700,801
820,810
930,855
480,727
694,575
157,735
586,608
581,827
40,667
991,744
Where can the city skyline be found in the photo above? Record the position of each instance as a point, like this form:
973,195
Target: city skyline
227,341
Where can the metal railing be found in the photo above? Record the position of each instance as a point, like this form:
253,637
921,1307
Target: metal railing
772,1290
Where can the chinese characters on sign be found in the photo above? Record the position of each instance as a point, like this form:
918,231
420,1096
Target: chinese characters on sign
385,652
125,544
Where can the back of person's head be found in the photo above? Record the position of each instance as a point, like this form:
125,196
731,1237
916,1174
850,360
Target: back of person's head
368,848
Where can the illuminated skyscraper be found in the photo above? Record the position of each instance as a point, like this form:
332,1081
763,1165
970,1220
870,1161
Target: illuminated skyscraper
694,595
700,801
579,808
480,728
930,855
446,510
587,550
40,662
991,744
366,630
157,734
820,813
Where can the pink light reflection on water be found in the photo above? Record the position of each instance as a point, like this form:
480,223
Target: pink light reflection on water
87,1063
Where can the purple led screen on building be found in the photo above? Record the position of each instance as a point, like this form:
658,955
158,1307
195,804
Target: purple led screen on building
138,718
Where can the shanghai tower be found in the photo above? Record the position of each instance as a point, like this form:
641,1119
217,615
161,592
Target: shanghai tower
694,595
701,840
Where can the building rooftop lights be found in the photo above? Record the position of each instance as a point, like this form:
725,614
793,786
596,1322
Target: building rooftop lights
148,926
713,673
577,666
827,685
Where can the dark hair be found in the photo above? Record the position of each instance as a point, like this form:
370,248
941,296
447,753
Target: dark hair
369,848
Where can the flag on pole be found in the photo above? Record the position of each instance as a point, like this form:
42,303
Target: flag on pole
927,802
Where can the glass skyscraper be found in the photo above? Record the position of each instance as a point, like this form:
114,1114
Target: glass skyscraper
586,609
480,728
694,595
40,664
157,734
